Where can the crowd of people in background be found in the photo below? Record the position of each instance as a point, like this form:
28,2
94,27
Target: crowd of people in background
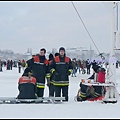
82,66
9,64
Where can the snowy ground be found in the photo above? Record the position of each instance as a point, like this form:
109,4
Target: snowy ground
71,109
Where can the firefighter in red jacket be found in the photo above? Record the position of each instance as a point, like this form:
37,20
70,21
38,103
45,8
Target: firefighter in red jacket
61,68
27,85
40,69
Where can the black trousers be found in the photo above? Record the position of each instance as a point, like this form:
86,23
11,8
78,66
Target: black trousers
0,68
19,69
40,92
63,90
88,70
51,90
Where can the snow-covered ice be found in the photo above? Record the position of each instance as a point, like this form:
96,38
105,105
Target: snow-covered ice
70,109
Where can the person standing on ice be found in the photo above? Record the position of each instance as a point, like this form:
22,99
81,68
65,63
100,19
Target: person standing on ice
11,64
78,65
1,65
49,84
88,65
61,68
40,69
94,63
27,85
19,66
74,64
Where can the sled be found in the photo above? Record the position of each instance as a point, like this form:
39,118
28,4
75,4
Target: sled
111,94
13,100
99,84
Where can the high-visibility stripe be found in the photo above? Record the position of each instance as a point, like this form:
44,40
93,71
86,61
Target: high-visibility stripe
57,84
48,75
26,65
38,86
39,63
96,94
60,63
52,70
82,95
70,70
60,83
51,82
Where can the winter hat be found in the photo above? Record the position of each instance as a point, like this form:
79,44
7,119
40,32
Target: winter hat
51,56
62,48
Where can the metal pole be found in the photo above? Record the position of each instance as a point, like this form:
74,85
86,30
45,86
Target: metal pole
117,16
112,58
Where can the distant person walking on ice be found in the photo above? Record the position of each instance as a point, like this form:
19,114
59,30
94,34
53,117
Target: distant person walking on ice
0,65
74,65
19,66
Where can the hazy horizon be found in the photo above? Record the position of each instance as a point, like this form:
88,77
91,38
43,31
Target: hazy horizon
53,24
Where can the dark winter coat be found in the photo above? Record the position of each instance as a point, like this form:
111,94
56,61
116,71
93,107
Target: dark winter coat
40,69
88,64
61,65
27,88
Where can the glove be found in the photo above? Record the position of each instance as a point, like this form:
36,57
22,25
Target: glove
69,72
52,71
48,75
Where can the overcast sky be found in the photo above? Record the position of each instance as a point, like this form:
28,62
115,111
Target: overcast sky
51,24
